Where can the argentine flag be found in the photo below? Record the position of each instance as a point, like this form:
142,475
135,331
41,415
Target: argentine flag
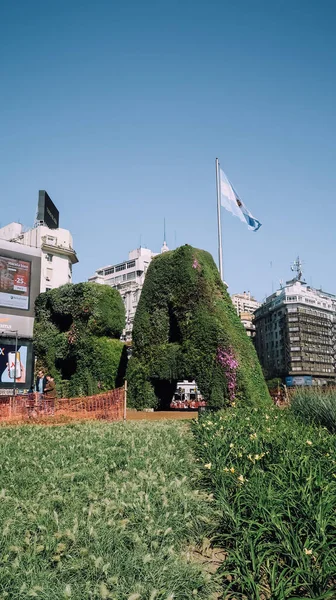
231,201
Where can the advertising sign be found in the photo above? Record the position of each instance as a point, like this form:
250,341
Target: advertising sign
23,325
299,380
14,283
8,363
47,211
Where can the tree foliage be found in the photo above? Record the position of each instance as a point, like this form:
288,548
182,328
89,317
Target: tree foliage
184,320
76,337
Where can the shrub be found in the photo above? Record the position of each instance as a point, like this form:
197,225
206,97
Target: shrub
184,326
274,481
315,406
74,333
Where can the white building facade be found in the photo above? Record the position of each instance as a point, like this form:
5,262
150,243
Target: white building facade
57,253
295,334
128,278
245,306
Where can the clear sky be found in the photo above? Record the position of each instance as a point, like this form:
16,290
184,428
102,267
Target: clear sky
119,109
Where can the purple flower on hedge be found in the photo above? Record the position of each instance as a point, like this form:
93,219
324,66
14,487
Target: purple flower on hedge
227,359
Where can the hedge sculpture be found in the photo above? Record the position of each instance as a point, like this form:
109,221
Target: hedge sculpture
186,327
76,337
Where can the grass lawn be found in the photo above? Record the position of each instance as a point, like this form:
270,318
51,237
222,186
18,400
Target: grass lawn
97,511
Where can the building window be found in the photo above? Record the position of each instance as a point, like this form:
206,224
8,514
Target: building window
107,271
131,264
131,276
120,267
48,289
49,257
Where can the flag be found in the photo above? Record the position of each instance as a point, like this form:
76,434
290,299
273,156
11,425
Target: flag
231,201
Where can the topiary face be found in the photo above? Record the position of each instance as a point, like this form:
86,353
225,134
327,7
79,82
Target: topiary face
76,336
186,327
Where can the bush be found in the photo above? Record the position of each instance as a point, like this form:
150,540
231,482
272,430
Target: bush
186,327
74,333
315,406
274,483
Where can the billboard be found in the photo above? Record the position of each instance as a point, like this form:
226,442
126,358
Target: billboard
14,282
8,364
47,211
11,323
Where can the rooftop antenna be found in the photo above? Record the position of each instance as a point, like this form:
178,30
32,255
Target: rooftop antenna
281,283
140,239
296,267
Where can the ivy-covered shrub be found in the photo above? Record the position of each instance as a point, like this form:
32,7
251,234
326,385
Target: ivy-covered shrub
76,337
186,327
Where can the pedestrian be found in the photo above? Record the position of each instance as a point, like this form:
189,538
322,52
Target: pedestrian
40,385
50,393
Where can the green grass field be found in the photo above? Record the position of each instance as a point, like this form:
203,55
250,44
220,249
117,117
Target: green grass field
97,511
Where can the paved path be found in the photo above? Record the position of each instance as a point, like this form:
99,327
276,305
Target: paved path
172,415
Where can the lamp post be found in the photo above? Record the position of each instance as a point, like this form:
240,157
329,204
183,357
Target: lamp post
15,360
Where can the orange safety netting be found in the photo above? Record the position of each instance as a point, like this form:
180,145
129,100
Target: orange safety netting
33,407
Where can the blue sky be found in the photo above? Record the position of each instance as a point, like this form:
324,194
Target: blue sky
119,110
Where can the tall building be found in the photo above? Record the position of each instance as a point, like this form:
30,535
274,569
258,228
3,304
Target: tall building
31,261
245,306
57,253
128,277
56,244
295,333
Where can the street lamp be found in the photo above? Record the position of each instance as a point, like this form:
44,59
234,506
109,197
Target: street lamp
15,360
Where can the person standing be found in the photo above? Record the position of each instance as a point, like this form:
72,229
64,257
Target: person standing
50,394
40,384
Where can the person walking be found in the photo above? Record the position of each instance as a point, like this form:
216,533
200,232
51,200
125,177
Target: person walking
50,394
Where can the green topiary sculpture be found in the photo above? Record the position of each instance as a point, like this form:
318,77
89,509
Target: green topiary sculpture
186,327
76,337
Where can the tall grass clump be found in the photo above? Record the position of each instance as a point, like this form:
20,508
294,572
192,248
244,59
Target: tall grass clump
101,511
274,482
315,406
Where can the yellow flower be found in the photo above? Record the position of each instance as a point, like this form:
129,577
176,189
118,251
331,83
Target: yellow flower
233,404
257,457
205,444
241,479
308,552
309,443
207,466
249,456
226,469
266,417
253,436
231,445
232,470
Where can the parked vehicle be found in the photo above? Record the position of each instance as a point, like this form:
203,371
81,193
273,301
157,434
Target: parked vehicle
187,396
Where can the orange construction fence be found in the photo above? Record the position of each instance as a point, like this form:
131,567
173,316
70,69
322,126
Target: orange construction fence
31,407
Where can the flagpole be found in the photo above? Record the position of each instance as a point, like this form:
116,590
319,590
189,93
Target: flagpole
220,249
